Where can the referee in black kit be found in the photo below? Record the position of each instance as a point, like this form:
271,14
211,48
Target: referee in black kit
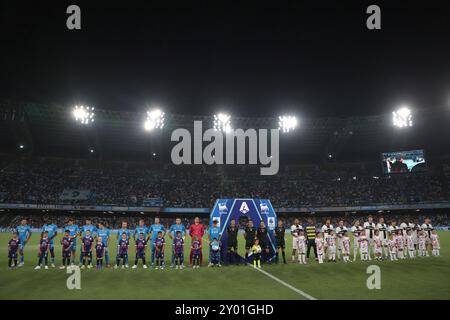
310,229
232,243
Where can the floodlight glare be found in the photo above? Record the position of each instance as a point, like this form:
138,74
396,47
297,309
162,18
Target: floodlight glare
402,117
84,115
155,120
222,122
287,123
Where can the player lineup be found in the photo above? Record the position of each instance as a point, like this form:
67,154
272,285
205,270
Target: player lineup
371,240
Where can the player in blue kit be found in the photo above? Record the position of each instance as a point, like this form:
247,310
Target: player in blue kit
52,231
122,251
73,233
44,244
196,249
141,228
100,251
122,230
92,231
103,232
159,250
154,230
177,226
24,232
86,248
213,233
66,245
13,248
141,244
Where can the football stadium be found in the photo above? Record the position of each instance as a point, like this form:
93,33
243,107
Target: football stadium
178,157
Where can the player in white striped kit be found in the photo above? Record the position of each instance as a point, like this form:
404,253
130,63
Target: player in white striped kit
369,226
339,234
377,246
295,228
415,233
383,234
364,247
428,228
331,246
422,243
405,227
435,243
345,247
392,244
399,239
410,244
301,246
393,228
326,228
319,246
357,230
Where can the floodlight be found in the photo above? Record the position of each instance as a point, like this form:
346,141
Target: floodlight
287,123
222,122
402,117
84,115
155,120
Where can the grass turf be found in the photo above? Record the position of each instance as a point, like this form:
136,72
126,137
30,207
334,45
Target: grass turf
422,278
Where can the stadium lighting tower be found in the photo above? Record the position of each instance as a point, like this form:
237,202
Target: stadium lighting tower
222,122
402,117
287,123
155,120
84,115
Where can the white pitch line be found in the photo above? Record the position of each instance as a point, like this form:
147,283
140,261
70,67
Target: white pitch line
304,294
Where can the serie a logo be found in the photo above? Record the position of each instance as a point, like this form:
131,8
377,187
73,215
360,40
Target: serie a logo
244,208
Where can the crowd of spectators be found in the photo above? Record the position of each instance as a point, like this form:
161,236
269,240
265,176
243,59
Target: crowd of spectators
43,180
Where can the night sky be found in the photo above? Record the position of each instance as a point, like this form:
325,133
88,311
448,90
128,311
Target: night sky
250,58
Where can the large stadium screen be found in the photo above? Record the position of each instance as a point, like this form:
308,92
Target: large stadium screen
403,161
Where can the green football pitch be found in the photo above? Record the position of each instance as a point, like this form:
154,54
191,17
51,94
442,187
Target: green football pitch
422,278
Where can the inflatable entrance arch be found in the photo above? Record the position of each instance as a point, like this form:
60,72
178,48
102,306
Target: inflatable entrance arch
257,210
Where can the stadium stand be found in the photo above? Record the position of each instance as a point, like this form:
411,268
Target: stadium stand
93,182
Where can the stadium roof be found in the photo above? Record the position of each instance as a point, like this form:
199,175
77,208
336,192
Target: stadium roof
50,129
